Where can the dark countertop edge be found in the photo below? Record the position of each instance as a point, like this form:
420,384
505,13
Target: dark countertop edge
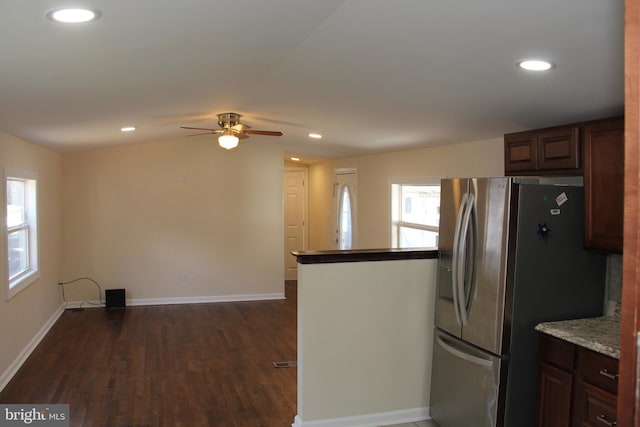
363,255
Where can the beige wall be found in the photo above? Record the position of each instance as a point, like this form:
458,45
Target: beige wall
23,317
374,172
365,332
140,216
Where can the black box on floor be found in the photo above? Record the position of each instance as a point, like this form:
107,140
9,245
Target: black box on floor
115,298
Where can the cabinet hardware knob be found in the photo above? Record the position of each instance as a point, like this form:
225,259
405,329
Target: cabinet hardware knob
609,375
603,419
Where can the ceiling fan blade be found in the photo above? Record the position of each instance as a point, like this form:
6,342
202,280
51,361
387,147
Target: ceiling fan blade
240,127
187,127
205,133
241,136
263,132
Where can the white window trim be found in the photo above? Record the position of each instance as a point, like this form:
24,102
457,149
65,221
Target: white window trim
394,222
25,279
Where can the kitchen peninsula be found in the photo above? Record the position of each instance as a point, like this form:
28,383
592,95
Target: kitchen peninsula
365,331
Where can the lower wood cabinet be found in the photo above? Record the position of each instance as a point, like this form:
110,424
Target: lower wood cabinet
554,396
594,406
576,386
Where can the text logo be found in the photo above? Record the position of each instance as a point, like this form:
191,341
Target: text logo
34,415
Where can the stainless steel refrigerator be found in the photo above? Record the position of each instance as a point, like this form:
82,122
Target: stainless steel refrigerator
510,256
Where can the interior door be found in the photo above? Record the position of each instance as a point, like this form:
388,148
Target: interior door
294,219
345,197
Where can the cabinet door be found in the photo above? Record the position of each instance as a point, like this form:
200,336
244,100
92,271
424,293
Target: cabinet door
554,396
520,153
604,185
594,407
560,149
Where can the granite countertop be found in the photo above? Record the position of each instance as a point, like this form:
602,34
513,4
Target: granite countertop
600,334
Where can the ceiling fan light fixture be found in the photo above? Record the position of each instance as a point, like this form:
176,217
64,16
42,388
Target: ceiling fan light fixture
228,140
231,130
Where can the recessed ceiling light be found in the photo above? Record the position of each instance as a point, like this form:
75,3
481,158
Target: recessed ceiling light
315,135
128,129
73,15
295,159
535,65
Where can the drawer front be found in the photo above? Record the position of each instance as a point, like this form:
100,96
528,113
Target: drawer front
598,369
557,352
595,407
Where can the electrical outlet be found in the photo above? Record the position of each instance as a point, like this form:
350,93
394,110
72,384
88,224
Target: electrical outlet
184,276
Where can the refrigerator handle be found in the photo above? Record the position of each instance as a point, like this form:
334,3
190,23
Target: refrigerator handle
462,267
456,273
460,353
470,271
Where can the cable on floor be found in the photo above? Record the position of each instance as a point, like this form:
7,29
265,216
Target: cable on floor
62,285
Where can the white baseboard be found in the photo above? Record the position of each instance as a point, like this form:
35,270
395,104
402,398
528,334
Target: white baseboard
26,352
182,300
368,420
202,300
70,305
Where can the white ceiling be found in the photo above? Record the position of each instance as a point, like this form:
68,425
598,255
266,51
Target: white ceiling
370,75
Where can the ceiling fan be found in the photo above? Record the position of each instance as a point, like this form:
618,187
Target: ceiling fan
231,130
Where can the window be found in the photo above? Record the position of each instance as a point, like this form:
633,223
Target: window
22,230
415,215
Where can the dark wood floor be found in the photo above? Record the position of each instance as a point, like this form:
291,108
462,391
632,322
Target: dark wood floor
171,365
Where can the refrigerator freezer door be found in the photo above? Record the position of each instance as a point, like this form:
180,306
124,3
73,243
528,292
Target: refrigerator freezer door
452,192
486,306
464,384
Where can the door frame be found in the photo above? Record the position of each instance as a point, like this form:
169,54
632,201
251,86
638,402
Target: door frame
305,209
628,401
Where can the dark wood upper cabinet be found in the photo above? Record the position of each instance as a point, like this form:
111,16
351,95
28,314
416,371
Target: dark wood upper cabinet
559,149
520,152
550,151
594,149
604,184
